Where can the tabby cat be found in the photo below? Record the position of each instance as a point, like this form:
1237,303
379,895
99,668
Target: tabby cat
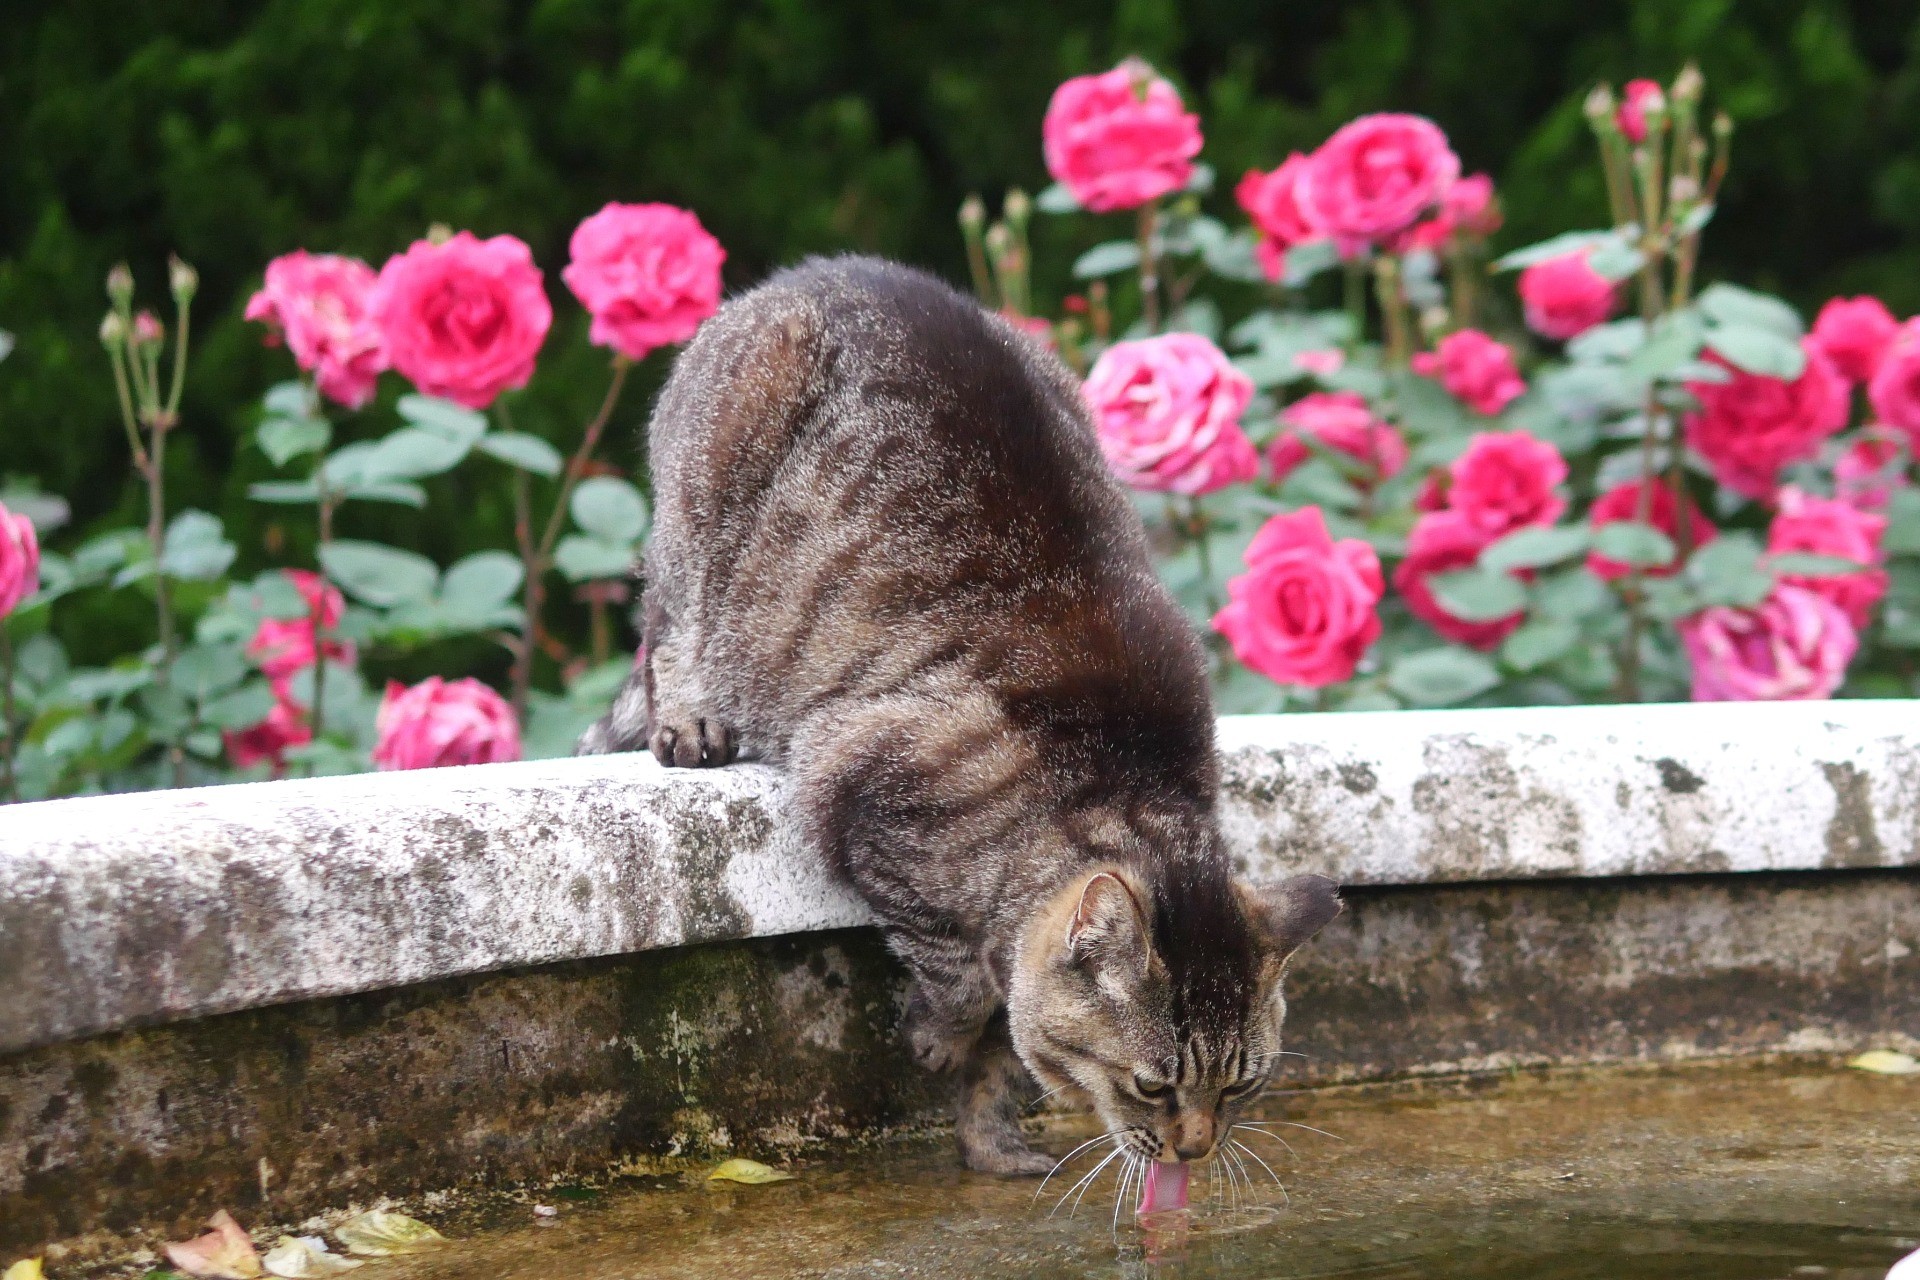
888,556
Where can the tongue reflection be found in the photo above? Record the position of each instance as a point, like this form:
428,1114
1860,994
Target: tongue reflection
1165,1187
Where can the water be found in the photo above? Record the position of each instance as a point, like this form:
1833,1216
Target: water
1704,1173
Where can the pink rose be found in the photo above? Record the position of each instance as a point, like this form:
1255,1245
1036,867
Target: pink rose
1563,297
1505,480
19,560
318,302
1270,201
442,722
267,742
1341,421
1750,427
1321,363
1794,646
1376,176
1474,369
1829,527
648,274
1168,413
1894,392
464,319
1442,542
1869,468
1631,115
1623,502
1855,333
1303,613
1120,139
282,646
1467,210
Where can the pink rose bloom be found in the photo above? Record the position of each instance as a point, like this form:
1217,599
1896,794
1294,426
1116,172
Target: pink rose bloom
1467,210
1321,363
1443,542
19,560
463,320
1855,333
1563,297
1303,613
1119,139
1474,369
1505,480
1867,470
1341,421
318,303
648,274
267,742
1894,392
1167,410
1795,646
1432,494
1829,527
1631,115
1623,503
282,646
442,722
1375,177
1752,426
1269,199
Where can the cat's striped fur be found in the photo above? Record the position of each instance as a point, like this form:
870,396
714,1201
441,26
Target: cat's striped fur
888,555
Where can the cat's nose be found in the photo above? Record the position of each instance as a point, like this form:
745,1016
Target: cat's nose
1193,1135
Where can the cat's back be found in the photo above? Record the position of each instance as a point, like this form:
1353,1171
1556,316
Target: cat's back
863,475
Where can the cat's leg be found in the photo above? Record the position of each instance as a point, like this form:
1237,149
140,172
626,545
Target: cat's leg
678,733
988,1109
951,1000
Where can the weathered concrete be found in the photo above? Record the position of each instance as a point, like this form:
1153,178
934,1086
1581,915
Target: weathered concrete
128,911
761,1046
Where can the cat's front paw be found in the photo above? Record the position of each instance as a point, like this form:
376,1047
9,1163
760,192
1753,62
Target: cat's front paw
939,1049
694,744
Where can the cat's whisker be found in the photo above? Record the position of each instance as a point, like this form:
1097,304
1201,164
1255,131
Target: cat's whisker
1035,1104
1264,1165
1245,1177
1120,1192
1264,1134
1088,1184
1291,1125
1070,1155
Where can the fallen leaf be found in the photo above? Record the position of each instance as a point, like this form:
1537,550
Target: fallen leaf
380,1233
225,1252
545,1211
1885,1062
25,1269
305,1258
751,1172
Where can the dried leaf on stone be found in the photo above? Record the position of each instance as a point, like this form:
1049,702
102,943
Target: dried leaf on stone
224,1252
750,1172
305,1258
380,1233
1885,1062
25,1269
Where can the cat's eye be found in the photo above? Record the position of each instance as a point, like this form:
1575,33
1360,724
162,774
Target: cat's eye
1242,1088
1151,1089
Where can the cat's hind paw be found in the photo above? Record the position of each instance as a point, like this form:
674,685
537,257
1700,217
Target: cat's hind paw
694,744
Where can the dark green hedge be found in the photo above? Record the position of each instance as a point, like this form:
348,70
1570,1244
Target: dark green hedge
233,131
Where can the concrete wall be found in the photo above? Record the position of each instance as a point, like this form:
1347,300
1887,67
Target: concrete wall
285,996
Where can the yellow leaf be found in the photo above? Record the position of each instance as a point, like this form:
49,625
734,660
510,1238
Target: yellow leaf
379,1234
225,1252
25,1269
751,1172
1885,1062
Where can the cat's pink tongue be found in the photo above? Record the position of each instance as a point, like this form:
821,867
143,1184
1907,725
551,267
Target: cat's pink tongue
1165,1187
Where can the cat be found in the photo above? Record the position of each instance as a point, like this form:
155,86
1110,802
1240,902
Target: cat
889,556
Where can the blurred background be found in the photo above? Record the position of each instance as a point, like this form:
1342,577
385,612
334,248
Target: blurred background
231,132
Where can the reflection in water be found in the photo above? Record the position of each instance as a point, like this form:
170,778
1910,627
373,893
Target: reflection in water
1731,1172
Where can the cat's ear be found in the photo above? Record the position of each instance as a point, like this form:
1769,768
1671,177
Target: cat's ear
1107,927
1291,912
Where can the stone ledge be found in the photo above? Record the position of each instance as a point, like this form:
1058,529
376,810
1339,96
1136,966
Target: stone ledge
124,911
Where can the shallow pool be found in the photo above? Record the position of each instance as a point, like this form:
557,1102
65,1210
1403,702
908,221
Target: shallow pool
1713,1172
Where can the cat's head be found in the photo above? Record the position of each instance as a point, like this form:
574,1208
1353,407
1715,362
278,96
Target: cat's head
1161,1001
